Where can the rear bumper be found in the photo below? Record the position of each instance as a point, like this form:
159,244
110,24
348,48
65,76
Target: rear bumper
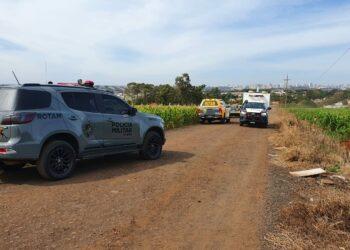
19,152
210,117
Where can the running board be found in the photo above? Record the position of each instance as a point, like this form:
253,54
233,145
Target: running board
105,151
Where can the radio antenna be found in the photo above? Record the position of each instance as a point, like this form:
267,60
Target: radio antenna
14,74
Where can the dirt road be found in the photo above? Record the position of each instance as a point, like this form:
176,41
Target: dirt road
207,191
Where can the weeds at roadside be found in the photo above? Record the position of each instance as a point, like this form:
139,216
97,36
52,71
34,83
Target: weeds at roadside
333,169
319,216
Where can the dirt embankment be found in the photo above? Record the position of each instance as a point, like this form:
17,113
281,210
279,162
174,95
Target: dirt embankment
207,191
315,211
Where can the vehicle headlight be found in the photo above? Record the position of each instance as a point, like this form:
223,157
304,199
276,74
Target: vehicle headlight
243,112
263,114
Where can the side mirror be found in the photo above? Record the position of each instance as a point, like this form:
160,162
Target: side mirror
132,111
269,108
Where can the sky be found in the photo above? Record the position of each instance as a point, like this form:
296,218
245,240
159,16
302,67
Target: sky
216,42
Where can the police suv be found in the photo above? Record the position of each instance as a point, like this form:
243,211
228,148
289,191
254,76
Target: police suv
52,126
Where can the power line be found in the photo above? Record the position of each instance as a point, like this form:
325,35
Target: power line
333,64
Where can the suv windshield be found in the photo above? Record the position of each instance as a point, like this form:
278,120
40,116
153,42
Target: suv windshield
23,99
254,105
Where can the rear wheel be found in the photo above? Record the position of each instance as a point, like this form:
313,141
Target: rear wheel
152,146
57,160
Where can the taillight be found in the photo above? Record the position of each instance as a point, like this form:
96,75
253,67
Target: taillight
221,110
18,118
3,150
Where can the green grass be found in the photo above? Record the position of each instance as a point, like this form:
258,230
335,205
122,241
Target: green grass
173,116
333,169
335,122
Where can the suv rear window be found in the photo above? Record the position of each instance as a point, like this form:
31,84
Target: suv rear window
23,99
80,101
210,103
32,99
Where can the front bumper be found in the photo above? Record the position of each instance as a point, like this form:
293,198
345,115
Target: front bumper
253,118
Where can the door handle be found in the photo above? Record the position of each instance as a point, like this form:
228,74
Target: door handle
73,118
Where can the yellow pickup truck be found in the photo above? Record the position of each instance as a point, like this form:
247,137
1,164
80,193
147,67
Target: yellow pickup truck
213,109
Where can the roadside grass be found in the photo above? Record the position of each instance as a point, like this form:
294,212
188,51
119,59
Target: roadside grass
305,145
318,215
320,222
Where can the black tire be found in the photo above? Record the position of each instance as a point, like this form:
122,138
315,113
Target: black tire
57,160
241,124
210,121
202,121
152,146
228,120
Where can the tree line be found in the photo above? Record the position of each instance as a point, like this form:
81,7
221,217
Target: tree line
182,92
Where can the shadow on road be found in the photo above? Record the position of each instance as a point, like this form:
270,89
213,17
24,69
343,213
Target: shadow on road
94,170
270,126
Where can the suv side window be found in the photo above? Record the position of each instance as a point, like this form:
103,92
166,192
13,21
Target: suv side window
32,99
81,101
113,105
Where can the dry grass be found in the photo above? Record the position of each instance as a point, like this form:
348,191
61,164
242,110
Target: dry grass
321,222
306,145
319,216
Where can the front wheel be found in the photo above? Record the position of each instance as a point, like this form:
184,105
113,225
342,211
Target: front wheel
152,146
57,160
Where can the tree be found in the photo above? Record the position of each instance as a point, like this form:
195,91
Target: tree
188,94
214,93
166,94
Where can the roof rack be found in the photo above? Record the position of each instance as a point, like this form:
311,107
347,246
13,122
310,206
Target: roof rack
53,86
31,84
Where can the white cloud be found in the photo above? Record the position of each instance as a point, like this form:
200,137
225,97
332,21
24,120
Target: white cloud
121,41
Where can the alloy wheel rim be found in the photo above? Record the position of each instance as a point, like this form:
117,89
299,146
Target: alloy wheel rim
60,160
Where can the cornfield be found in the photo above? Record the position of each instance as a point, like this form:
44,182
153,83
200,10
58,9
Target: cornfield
336,122
173,116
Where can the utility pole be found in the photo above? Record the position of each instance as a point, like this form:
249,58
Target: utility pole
286,81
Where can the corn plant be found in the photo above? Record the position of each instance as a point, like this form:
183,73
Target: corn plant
173,116
336,122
